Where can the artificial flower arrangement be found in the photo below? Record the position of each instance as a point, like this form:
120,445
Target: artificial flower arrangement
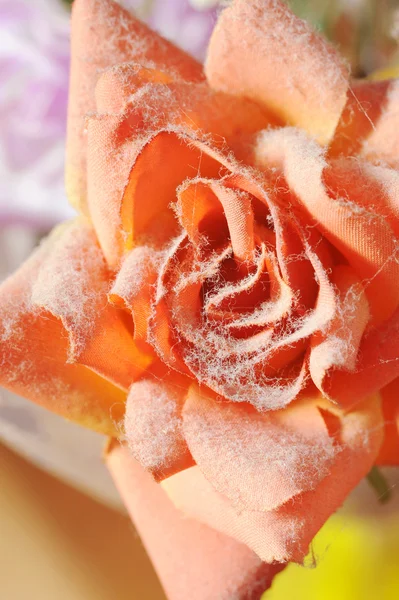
227,302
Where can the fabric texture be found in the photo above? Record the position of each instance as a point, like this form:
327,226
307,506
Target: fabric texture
192,560
228,302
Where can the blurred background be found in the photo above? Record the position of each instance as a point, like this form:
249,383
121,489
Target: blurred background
63,532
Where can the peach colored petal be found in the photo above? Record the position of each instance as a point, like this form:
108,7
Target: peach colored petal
109,161
189,104
152,132
196,326
192,561
385,193
261,50
124,153
162,339
336,198
34,353
153,424
377,366
125,171
265,369
264,292
337,345
105,34
369,123
389,452
382,144
196,204
118,83
200,199
235,368
72,285
285,533
289,236
134,288
173,157
258,461
112,353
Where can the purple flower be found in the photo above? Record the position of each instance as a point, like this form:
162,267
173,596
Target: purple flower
34,70
34,67
186,26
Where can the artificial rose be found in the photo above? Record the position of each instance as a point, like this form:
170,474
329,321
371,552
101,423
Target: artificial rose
235,269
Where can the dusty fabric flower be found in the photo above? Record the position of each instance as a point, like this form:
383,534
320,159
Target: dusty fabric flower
234,270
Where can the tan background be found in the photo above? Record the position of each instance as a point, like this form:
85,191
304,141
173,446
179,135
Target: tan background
58,544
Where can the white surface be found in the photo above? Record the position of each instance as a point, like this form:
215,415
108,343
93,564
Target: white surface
68,451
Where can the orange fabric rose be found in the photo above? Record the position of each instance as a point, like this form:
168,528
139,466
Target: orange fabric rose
234,269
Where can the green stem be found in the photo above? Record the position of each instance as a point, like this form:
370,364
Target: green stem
378,482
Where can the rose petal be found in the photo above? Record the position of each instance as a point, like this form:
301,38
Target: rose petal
153,424
377,366
261,50
105,34
385,194
266,374
201,199
285,533
192,105
337,346
155,133
378,362
192,560
349,208
34,356
382,145
258,461
117,85
121,180
134,288
389,452
235,368
72,285
369,123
